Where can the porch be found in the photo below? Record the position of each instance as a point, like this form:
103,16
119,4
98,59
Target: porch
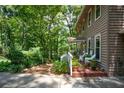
85,47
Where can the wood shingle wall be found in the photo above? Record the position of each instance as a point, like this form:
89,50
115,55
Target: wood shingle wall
100,26
116,40
112,43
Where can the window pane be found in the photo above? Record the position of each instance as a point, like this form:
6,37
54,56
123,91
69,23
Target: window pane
97,11
97,43
89,47
97,52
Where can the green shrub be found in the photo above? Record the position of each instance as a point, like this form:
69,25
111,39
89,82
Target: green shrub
15,68
29,63
10,67
4,66
93,64
3,59
34,55
15,56
59,67
75,62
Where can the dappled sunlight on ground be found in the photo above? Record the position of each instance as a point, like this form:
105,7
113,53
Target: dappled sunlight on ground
41,77
35,80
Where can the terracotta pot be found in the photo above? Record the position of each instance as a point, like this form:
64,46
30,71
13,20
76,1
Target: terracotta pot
75,68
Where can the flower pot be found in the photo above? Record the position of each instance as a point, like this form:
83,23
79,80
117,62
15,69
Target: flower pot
80,69
75,68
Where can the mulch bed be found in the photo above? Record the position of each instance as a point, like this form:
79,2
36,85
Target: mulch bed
41,69
88,73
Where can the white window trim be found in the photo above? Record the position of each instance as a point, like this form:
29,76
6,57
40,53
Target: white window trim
95,13
88,43
90,10
95,45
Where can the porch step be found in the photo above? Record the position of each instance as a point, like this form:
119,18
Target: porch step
89,73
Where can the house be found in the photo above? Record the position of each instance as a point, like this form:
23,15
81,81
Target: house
102,27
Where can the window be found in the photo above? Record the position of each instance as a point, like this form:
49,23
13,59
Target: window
89,17
89,45
98,47
97,11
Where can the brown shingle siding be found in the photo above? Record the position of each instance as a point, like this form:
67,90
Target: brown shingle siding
101,26
116,44
108,25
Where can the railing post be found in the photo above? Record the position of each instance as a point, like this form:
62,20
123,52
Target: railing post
71,67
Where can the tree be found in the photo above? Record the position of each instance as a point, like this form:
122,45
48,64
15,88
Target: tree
47,27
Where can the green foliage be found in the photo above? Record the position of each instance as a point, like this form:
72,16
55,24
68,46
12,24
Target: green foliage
15,68
9,67
47,27
28,64
4,66
93,64
60,67
20,60
15,56
75,62
34,55
4,59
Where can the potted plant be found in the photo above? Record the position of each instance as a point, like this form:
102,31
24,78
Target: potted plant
81,67
93,64
75,64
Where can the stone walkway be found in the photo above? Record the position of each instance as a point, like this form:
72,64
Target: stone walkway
26,80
